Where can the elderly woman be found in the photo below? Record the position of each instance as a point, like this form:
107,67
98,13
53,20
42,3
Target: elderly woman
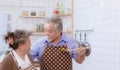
18,58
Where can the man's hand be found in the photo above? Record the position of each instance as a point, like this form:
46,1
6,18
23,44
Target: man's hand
81,54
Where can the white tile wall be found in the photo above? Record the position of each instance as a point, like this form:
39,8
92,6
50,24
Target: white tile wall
104,17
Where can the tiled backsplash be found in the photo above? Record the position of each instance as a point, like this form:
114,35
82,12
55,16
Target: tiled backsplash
104,17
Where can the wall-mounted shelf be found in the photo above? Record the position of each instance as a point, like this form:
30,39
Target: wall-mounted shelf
64,15
68,32
33,16
38,33
42,33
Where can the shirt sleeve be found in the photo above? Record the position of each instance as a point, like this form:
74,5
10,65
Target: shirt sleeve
34,50
37,49
72,44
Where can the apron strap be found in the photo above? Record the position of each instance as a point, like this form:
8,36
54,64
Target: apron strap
65,44
15,60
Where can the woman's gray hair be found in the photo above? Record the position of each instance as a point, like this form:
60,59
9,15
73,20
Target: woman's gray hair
19,37
57,21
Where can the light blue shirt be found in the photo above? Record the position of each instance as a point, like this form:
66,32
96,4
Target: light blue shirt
38,48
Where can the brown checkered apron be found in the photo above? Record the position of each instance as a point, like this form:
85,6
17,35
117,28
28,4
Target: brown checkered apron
54,58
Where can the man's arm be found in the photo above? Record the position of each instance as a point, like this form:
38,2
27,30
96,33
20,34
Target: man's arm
37,49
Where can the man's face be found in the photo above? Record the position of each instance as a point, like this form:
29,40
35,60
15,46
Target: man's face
50,32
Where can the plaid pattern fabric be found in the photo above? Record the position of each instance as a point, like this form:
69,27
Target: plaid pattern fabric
56,59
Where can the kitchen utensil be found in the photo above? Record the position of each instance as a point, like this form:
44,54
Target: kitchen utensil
86,45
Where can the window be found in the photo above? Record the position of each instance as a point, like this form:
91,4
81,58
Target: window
4,27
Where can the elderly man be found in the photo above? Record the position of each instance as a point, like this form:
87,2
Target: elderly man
56,50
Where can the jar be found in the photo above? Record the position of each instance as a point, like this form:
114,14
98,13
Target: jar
42,13
25,13
33,13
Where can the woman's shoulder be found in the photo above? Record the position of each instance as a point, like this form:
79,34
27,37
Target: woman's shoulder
7,58
8,63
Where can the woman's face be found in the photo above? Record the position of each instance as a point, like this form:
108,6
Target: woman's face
26,46
50,32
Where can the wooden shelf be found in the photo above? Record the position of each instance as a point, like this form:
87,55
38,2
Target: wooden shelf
33,16
38,33
45,16
68,32
63,15
42,33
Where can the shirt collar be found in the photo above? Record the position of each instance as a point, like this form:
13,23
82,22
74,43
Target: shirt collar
21,62
63,38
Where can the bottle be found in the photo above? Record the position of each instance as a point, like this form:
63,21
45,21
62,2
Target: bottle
56,11
69,11
61,10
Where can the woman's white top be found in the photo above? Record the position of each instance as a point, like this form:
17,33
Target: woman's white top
22,63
